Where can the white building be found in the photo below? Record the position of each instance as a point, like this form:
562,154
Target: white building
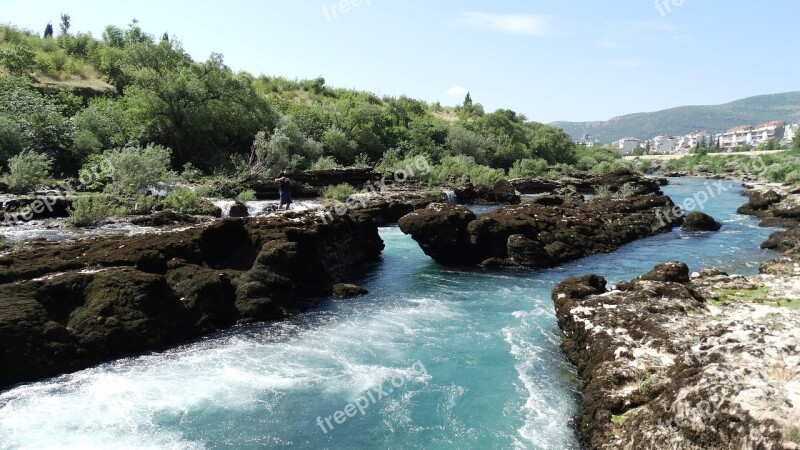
789,133
687,142
770,131
627,145
663,145
586,140
749,135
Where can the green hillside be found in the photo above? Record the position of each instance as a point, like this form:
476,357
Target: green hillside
685,119
73,97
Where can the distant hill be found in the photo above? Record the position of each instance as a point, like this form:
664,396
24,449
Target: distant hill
685,119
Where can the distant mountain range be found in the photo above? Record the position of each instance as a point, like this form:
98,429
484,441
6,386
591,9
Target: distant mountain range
685,119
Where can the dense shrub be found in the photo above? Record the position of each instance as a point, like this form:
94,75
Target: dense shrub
608,167
528,168
143,204
325,162
586,163
191,173
95,173
11,141
18,60
183,200
462,141
220,187
287,147
27,170
247,195
42,121
136,169
340,192
339,146
779,172
92,211
457,170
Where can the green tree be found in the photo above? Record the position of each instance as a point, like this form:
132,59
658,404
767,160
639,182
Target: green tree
550,143
360,117
114,36
44,127
201,111
462,141
104,120
65,24
336,144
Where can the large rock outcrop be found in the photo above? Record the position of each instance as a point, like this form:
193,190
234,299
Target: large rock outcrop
774,205
700,221
546,232
675,364
24,208
65,306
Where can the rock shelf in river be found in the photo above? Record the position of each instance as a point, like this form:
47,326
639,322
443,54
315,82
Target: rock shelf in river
548,231
68,305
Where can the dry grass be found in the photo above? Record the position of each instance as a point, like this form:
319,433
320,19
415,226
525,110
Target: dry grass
75,82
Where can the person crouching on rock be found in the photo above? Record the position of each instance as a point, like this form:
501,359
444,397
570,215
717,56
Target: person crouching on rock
284,188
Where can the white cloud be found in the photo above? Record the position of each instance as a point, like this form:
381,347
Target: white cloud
537,25
457,91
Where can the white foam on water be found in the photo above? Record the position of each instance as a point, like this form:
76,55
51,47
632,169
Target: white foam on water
223,204
546,409
125,403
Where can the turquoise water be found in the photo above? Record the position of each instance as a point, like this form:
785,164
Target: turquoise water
464,358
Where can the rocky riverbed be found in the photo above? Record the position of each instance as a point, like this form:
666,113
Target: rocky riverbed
701,361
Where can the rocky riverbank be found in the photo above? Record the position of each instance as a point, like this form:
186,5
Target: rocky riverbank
549,230
707,361
69,305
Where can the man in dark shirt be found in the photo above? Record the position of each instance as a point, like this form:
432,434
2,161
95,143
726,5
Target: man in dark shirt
284,187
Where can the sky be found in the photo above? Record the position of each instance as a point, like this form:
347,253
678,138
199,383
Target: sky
550,60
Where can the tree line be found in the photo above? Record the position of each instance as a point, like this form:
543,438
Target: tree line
220,121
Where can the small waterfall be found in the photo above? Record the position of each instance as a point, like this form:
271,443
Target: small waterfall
451,196
224,205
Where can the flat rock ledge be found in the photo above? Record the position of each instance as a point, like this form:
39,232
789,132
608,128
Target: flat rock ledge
65,306
673,363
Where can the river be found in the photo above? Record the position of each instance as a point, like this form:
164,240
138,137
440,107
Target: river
431,358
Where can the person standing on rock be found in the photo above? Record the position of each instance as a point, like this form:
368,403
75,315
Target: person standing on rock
284,188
